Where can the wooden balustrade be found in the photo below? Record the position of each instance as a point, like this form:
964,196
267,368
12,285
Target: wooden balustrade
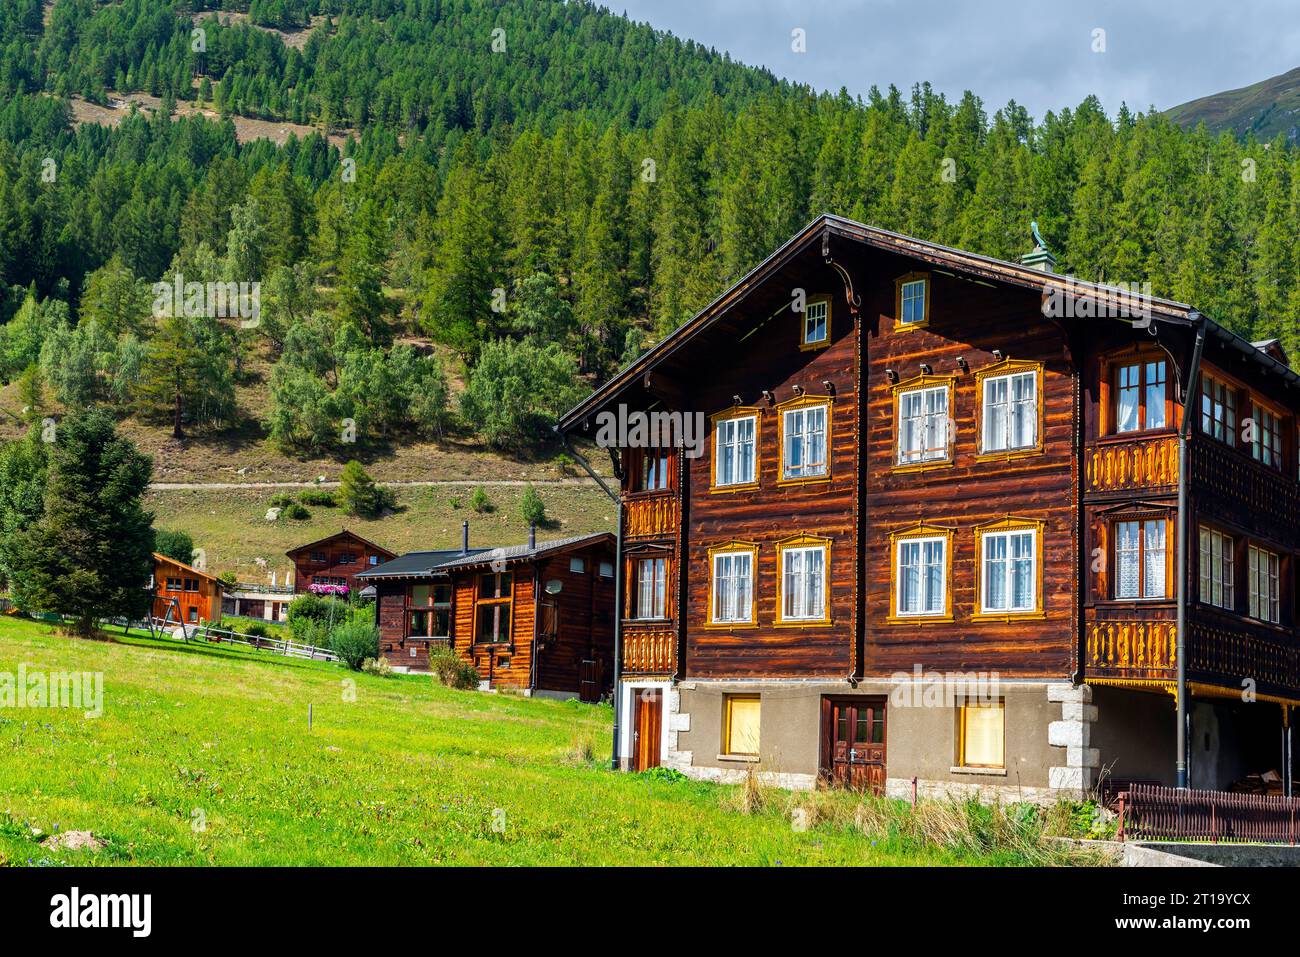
1149,811
1131,648
1135,464
649,652
651,515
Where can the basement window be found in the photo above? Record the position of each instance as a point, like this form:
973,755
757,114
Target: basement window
981,735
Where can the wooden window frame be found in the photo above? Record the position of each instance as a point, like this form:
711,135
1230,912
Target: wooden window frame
796,543
1259,408
1230,388
999,370
792,405
1230,581
1112,551
632,570
1009,524
735,412
733,548
1140,356
899,283
921,383
961,736
481,602
804,344
410,607
725,743
637,471
1253,549
919,532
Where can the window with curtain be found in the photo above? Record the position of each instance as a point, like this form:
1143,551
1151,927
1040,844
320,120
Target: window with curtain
923,425
733,586
654,472
741,718
734,442
921,575
981,735
803,583
651,588
1265,585
1217,586
1218,410
1140,390
1140,558
1009,570
1266,438
1010,412
804,432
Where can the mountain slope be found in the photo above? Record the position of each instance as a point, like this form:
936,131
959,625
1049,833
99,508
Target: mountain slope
1265,109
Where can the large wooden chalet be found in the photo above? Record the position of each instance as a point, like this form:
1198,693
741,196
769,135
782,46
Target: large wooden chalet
534,618
954,525
335,561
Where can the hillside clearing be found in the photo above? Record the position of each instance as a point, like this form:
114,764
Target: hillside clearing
203,756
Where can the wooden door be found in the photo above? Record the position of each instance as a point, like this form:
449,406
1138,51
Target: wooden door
590,680
647,721
853,743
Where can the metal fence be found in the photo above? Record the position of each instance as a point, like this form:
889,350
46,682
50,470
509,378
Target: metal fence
1162,813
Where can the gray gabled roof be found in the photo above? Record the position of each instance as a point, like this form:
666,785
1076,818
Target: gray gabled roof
431,564
415,564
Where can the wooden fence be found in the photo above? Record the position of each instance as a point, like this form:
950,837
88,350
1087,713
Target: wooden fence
281,646
1149,811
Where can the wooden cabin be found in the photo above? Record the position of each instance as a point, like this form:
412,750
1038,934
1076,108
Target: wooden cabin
335,560
536,618
935,533
184,594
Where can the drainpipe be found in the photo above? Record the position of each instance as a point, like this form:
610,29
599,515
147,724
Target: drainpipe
1184,432
618,591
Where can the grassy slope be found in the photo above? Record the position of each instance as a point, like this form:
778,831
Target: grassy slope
409,773
230,524
1265,108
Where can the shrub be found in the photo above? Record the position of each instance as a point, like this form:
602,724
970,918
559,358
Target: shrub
174,544
359,495
228,579
354,642
281,500
563,464
532,508
296,512
479,501
318,497
377,666
310,610
254,628
452,670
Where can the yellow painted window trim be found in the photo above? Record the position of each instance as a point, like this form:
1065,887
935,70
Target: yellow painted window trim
925,531
802,541
899,283
733,548
996,371
804,344
961,739
735,412
1009,523
726,722
916,384
798,402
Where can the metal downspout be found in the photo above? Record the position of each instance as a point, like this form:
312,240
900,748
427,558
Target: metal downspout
1189,400
618,592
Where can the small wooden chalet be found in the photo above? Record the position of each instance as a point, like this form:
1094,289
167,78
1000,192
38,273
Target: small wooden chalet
184,594
335,560
538,617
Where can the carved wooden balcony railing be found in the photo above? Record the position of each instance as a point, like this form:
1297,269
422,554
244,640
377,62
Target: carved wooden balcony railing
649,651
1134,464
651,516
1229,485
1131,649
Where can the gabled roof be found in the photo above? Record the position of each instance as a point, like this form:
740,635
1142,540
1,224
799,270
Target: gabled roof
430,564
339,534
987,268
160,557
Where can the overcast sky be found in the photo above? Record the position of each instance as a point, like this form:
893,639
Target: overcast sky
1039,53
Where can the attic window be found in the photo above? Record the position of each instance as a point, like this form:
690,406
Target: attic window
913,299
816,323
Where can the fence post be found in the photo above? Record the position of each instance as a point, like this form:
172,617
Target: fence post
1120,835
1214,825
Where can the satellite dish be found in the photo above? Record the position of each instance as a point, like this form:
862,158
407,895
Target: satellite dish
553,586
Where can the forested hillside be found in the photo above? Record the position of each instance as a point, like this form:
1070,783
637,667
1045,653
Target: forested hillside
504,226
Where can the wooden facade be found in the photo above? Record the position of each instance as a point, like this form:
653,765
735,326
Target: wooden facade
184,594
1091,474
531,618
335,560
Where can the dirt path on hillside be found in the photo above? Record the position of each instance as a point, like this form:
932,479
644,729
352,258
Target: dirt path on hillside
463,483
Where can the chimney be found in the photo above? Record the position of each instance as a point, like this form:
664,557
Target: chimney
464,538
1040,257
532,537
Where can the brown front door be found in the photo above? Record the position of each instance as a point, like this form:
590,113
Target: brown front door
646,723
853,743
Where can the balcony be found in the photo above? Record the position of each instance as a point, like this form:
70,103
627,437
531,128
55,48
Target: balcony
1131,464
648,650
1131,649
1228,484
656,515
